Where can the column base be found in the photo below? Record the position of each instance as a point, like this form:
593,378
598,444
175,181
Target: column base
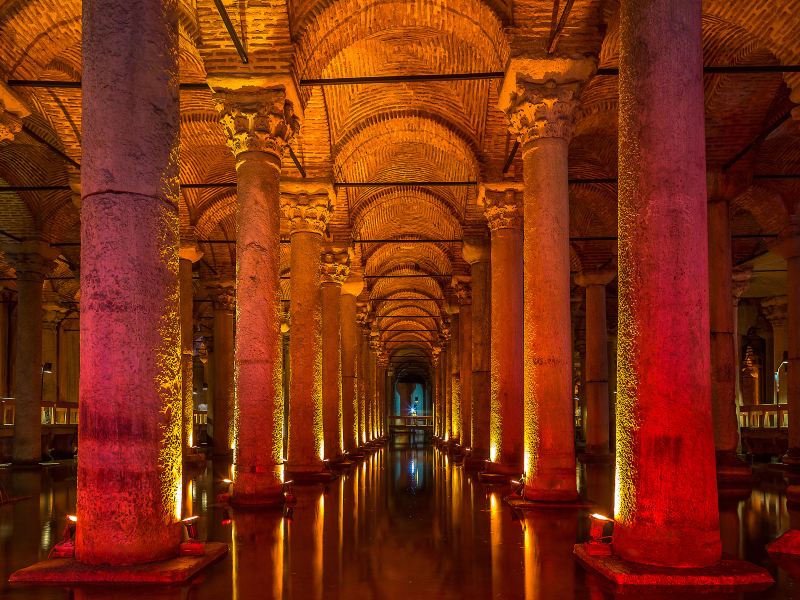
550,496
269,499
787,544
732,469
727,574
524,503
301,476
59,571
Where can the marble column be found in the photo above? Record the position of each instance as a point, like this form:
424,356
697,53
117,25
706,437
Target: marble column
596,365
476,253
31,260
351,288
306,207
335,270
540,102
776,311
5,346
189,254
53,315
788,246
129,474
504,215
258,124
666,494
224,304
454,368
363,361
465,324
382,373
375,348
438,419
724,367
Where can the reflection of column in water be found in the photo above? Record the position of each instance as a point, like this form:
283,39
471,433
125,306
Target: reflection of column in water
549,538
333,543
305,546
27,518
456,492
257,554
599,485
730,527
119,593
495,525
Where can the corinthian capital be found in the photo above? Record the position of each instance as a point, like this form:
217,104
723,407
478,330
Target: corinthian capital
503,208
256,119
307,205
12,111
335,266
542,110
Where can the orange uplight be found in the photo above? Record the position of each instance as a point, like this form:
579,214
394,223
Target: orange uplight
600,517
72,518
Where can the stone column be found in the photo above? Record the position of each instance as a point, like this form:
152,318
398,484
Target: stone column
351,288
259,124
788,247
476,253
189,254
372,388
224,304
539,101
5,347
504,215
454,374
465,324
438,419
129,474
30,260
776,310
306,207
666,493
363,360
335,269
53,315
724,367
596,366
382,370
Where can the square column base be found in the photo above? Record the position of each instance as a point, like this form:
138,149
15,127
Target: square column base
728,573
60,571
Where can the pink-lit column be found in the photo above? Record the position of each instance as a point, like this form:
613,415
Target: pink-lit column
539,110
31,260
306,207
351,288
465,325
224,303
504,215
258,123
666,493
476,253
724,367
335,269
129,474
189,254
596,366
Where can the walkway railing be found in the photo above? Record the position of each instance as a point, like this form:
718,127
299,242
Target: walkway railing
764,429
410,422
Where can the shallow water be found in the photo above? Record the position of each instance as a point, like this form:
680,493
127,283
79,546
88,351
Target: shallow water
403,524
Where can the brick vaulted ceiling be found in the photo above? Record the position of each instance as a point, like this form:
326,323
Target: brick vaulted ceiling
409,131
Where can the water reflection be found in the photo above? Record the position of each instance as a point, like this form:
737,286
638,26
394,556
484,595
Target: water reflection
404,523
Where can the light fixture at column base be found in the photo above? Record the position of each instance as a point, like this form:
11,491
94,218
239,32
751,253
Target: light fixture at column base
61,571
727,574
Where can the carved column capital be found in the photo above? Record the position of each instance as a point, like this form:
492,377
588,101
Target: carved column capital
741,281
256,119
775,310
542,110
223,296
503,209
724,186
31,259
589,278
463,289
476,250
334,267
12,111
307,206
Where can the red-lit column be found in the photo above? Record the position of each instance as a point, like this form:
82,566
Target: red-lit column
476,253
596,365
666,493
224,303
724,368
258,124
189,254
335,269
307,210
465,325
31,260
129,474
540,111
504,215
351,288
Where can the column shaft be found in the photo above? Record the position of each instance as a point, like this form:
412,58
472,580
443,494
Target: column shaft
454,357
597,400
306,444
549,436
223,396
793,348
349,335
666,495
129,474
481,356
28,369
187,356
331,292
465,368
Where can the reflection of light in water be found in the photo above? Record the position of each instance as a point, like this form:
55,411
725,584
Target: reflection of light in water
204,500
497,539
47,535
